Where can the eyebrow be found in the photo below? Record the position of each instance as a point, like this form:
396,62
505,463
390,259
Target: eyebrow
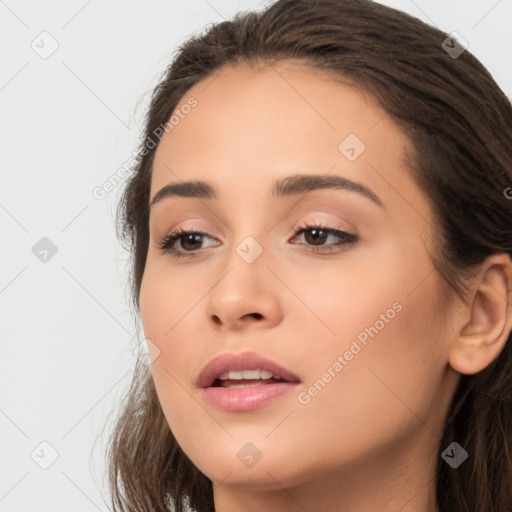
291,185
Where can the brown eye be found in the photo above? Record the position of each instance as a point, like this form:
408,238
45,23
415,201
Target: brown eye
190,242
316,236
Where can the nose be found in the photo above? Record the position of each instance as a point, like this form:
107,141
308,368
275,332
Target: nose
244,297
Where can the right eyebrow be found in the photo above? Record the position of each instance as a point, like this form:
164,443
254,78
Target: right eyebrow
199,189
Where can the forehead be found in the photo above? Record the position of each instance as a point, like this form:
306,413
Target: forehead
254,124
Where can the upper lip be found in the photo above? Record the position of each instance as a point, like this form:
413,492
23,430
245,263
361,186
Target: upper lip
236,362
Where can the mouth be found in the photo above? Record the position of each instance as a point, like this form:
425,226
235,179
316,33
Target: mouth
247,378
243,382
246,369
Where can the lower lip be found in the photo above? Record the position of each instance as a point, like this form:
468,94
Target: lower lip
247,398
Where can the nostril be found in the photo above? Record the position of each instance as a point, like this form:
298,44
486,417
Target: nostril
257,316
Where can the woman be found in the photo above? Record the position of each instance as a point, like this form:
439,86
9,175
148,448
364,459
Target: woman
321,237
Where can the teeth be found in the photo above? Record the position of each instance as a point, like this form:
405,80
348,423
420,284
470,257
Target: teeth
248,374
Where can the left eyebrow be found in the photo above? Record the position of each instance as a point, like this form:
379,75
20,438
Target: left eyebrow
291,185
299,183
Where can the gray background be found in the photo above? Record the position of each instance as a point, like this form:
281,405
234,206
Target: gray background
68,122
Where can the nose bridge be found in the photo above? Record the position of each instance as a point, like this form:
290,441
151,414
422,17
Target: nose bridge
247,238
245,288
244,267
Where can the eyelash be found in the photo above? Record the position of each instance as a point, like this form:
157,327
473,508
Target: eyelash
347,239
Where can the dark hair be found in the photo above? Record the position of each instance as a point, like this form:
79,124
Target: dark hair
459,124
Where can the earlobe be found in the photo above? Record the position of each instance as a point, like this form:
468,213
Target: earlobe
480,339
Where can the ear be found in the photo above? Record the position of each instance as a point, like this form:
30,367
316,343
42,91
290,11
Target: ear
485,320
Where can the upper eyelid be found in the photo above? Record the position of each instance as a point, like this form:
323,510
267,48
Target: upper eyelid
311,222
301,226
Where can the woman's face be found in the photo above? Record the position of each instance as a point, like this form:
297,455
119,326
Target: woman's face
355,318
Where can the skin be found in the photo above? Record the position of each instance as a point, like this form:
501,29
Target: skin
369,439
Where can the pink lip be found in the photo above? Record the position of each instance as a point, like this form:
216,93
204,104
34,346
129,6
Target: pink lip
246,398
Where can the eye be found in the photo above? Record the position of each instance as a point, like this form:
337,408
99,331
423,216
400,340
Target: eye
189,240
317,235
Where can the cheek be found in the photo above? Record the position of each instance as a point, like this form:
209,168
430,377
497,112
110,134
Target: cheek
393,352
169,309
167,296
388,333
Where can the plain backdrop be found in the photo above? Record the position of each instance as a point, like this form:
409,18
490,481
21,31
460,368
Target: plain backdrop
75,79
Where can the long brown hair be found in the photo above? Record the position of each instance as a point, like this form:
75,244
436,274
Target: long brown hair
459,123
